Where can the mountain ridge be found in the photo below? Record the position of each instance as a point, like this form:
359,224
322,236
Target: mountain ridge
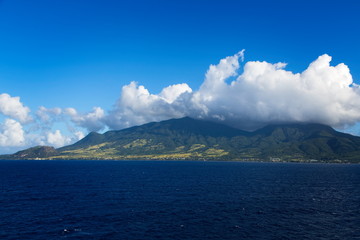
191,139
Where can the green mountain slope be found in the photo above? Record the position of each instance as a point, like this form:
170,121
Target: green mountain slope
192,139
307,141
33,153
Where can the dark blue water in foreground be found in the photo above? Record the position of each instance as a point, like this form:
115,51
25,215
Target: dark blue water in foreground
178,200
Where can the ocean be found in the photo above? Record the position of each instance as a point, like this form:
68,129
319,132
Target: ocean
178,200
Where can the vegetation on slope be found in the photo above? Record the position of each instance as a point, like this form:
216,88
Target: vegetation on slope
192,139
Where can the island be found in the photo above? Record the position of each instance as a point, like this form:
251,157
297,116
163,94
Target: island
192,139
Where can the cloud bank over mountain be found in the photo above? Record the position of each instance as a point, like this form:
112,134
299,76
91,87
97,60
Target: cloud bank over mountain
262,93
266,93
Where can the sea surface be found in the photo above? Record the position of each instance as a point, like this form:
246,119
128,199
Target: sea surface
178,200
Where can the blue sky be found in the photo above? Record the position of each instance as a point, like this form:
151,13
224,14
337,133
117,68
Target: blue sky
79,54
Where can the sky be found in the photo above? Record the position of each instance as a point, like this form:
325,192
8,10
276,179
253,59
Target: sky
74,66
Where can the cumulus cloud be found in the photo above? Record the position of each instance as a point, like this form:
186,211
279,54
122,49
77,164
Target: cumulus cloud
79,135
171,93
15,135
92,121
12,107
48,114
11,134
56,139
137,106
264,93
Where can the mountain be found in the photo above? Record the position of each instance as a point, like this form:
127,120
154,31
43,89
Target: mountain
34,152
190,139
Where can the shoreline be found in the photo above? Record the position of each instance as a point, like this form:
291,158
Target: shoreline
183,160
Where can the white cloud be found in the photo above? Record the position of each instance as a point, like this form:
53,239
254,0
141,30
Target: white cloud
12,134
92,121
266,93
52,138
12,107
79,135
171,93
217,74
263,93
48,114
137,106
56,139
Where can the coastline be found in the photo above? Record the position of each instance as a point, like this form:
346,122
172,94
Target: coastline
185,160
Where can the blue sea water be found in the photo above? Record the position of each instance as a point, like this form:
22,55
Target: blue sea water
178,200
